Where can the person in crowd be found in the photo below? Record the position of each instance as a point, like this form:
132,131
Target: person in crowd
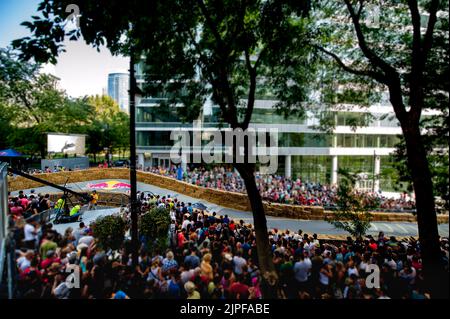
93,200
75,211
209,259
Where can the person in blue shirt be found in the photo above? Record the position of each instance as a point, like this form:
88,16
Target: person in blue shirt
173,289
192,261
180,173
120,295
349,254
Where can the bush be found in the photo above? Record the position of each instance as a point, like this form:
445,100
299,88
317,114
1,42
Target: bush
110,231
154,227
353,212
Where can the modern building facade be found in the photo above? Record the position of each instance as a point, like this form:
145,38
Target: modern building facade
118,85
304,151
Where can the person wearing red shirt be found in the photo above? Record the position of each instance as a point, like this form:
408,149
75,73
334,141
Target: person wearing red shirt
32,269
17,210
181,239
51,258
238,290
416,263
373,245
24,202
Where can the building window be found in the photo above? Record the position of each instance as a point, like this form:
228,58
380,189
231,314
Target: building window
357,164
304,140
153,138
157,114
315,169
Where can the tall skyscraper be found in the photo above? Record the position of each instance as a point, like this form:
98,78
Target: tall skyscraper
118,85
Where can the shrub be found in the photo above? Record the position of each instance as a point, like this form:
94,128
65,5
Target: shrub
110,231
154,227
353,208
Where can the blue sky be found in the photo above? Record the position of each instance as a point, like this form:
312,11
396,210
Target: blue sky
82,70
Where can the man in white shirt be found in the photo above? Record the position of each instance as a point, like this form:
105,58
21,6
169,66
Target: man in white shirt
30,233
80,232
302,269
186,222
25,260
87,240
239,263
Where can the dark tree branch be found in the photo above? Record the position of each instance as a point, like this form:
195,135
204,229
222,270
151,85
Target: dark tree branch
373,74
218,97
428,40
251,94
211,24
396,99
223,81
419,57
29,107
391,77
369,54
361,6
393,83
415,17
415,87
216,94
260,57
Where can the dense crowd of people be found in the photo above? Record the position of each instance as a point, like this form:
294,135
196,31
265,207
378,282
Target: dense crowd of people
277,189
273,188
211,256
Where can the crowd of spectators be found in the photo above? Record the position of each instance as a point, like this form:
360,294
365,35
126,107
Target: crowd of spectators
276,188
273,188
25,205
211,256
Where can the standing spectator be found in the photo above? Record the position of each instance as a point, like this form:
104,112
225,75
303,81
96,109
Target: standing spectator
192,261
239,263
31,231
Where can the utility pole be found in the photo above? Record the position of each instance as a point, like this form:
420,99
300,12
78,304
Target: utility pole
133,195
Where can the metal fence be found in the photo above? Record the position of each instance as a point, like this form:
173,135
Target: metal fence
7,243
43,217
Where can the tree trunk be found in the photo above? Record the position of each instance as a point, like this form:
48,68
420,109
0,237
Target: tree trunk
266,266
42,150
434,273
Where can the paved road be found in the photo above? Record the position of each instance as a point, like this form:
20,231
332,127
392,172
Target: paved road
308,226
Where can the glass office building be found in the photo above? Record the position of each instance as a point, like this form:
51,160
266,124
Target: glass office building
304,151
118,85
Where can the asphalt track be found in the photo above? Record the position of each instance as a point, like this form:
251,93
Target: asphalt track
400,229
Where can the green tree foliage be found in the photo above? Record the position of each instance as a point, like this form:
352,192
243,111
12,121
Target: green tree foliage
353,213
411,65
154,227
225,50
110,231
31,105
104,107
108,126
